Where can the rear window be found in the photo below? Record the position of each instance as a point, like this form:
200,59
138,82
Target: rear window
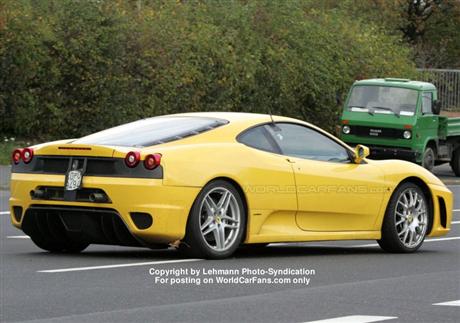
152,131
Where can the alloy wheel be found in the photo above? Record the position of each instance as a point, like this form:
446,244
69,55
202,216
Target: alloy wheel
411,218
220,219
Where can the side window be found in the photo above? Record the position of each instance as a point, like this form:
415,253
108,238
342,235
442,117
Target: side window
427,99
258,138
299,141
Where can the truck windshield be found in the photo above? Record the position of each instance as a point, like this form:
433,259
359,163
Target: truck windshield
383,99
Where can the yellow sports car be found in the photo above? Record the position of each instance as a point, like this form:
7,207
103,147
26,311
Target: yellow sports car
216,181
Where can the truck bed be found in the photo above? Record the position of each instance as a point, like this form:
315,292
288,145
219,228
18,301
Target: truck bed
453,127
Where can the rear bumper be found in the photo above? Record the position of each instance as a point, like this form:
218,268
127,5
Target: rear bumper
168,205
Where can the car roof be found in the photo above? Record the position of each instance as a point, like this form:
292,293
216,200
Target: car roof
238,117
395,82
239,121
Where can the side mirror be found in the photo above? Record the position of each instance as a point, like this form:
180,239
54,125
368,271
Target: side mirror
361,152
436,107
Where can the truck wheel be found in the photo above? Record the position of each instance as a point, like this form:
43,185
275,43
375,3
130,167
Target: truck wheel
455,162
429,158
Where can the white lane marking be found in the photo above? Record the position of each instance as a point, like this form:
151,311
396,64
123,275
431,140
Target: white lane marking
18,237
427,240
356,319
456,210
117,266
455,222
4,212
451,303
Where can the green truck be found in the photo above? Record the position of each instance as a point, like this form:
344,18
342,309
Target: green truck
400,118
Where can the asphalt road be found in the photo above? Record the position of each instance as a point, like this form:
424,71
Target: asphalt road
353,278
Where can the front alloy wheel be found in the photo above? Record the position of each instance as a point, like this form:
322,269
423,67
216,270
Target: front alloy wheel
411,218
216,222
406,220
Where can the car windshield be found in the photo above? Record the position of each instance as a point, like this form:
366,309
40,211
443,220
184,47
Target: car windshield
383,99
152,131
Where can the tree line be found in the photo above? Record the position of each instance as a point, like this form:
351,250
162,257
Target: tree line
69,68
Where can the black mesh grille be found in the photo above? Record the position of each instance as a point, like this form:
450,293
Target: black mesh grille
376,132
17,210
442,212
100,167
142,220
56,193
52,165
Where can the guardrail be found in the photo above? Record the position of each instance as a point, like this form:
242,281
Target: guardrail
447,82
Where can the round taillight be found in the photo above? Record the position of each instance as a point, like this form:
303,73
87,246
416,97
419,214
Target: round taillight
132,158
27,155
16,155
152,161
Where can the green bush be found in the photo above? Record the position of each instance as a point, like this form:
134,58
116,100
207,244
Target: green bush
68,68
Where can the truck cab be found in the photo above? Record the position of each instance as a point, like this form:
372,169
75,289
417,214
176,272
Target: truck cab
400,118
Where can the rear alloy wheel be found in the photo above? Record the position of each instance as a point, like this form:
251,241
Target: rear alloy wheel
429,158
455,162
216,222
406,220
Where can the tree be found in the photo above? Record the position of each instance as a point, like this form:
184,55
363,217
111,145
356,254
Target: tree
431,27
70,68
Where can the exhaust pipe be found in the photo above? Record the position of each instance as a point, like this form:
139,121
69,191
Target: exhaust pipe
98,198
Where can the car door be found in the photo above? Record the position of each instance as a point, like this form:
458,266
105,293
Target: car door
270,179
333,193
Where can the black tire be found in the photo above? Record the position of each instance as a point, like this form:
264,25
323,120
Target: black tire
196,244
390,240
429,158
455,162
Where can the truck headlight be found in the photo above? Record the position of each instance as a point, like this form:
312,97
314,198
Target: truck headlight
407,134
346,129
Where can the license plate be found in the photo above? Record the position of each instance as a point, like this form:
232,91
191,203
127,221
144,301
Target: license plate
375,132
73,180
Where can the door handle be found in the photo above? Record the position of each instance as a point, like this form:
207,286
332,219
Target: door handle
290,160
